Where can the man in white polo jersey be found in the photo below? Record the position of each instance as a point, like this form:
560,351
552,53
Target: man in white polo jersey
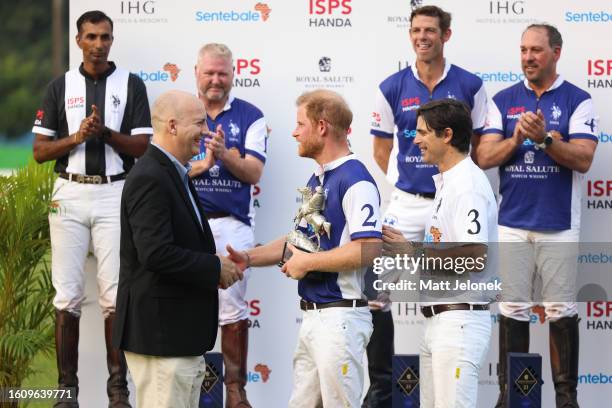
461,231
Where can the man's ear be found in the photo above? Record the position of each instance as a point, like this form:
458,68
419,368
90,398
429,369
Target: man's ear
448,135
77,38
322,126
171,126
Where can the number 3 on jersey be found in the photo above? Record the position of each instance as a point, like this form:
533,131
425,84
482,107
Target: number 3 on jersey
475,214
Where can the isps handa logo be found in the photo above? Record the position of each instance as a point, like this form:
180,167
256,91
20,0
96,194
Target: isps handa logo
599,73
329,13
598,194
259,12
254,313
247,72
598,315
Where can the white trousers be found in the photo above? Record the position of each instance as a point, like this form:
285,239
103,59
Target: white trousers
408,213
166,382
453,349
327,364
81,214
228,230
551,256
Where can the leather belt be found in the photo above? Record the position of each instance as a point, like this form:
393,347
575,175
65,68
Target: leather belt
431,196
304,305
96,179
215,214
429,311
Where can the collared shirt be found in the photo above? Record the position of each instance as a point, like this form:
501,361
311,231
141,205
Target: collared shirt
397,99
536,192
183,171
351,207
121,99
464,212
245,133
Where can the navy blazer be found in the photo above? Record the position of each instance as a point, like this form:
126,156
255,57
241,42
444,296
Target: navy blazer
167,299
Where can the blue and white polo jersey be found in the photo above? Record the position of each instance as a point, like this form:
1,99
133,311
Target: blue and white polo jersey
352,206
536,193
397,100
245,133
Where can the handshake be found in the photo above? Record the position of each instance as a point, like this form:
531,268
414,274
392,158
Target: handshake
232,267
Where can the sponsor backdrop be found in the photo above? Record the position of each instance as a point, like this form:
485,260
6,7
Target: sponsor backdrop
283,48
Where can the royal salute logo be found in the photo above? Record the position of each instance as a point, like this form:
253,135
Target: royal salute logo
329,13
408,381
401,19
325,64
247,72
332,79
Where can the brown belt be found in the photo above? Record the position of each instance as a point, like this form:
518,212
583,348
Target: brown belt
432,310
216,214
96,179
304,305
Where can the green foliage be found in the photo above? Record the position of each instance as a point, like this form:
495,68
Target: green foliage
26,310
25,66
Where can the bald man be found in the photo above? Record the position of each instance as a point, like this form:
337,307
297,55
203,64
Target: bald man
167,305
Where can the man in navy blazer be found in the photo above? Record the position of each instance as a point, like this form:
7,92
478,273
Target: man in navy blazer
167,298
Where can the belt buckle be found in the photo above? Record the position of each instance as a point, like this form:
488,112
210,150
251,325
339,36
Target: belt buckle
96,179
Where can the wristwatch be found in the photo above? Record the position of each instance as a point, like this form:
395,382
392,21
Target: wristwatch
106,134
548,139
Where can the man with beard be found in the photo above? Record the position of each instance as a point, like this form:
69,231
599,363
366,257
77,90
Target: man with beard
398,97
336,325
542,133
238,149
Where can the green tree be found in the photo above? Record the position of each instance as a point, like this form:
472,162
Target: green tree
26,310
25,65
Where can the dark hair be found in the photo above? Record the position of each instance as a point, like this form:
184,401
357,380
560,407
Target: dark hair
433,11
554,36
449,113
94,17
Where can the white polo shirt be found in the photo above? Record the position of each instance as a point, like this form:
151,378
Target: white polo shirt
464,212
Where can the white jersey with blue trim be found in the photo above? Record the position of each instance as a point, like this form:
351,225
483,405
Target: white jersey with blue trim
536,193
245,133
397,100
352,206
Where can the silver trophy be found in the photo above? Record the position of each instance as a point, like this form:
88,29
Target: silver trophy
310,211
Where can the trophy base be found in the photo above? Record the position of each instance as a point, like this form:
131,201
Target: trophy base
313,275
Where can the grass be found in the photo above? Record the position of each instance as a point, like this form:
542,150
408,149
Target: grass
12,157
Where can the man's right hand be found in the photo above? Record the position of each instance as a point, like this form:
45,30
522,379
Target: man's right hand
91,126
229,274
240,258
